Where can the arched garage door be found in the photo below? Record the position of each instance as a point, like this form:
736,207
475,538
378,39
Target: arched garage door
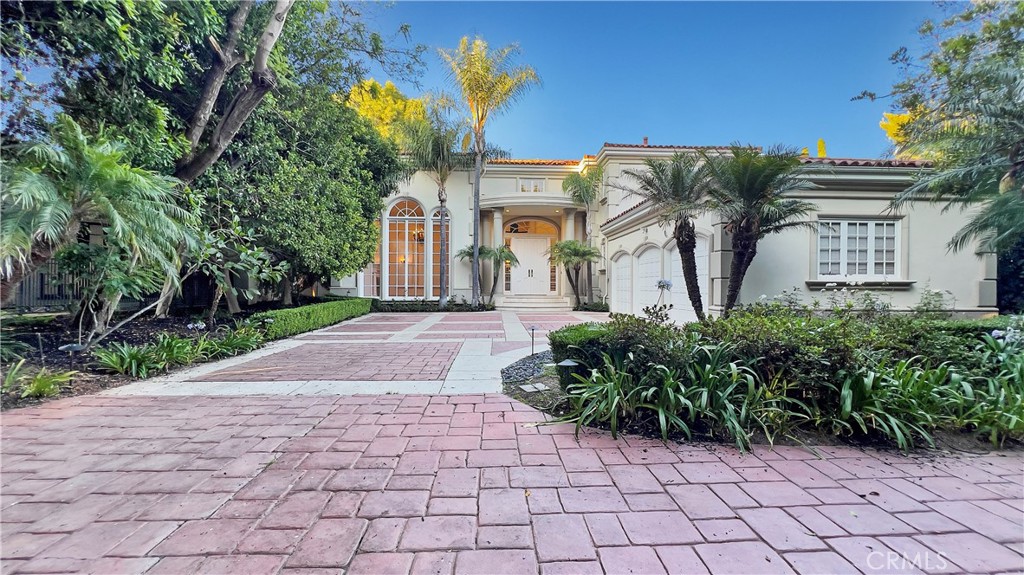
648,265
622,285
682,311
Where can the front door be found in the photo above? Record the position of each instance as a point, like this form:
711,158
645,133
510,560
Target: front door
533,274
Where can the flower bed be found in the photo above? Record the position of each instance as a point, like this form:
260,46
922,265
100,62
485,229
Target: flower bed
771,371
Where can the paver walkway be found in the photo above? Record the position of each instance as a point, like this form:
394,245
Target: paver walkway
467,484
377,353
267,464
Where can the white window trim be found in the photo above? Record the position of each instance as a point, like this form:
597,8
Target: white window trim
523,181
843,239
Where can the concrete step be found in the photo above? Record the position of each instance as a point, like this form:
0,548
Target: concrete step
535,303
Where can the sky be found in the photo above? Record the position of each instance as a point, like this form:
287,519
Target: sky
680,73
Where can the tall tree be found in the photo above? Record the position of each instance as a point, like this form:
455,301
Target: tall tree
965,94
749,191
678,189
584,189
310,175
433,145
53,187
490,82
386,107
573,255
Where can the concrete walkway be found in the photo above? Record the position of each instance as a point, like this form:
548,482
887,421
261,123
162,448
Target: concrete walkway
435,353
468,484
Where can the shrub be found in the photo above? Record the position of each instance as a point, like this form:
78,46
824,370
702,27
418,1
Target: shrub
596,306
134,360
45,383
581,343
241,339
802,350
173,350
291,321
425,306
12,376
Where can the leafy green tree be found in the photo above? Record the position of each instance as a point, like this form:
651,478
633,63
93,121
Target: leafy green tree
749,190
584,188
56,186
432,145
489,82
966,102
573,255
386,107
314,189
678,189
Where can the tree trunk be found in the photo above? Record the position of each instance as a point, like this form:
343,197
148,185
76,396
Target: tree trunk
286,290
230,297
225,60
443,273
242,105
163,306
572,285
576,285
742,246
590,265
686,242
212,314
479,168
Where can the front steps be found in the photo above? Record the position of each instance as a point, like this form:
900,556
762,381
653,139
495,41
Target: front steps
535,303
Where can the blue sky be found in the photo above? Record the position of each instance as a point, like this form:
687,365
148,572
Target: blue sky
681,72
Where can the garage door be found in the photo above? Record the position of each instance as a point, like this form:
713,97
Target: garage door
648,273
622,283
682,311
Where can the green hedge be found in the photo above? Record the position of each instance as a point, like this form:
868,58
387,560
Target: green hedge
281,323
574,342
425,306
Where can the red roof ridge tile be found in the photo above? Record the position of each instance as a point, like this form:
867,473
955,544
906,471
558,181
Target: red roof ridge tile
533,162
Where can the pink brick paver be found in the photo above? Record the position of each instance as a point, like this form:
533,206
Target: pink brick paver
346,362
468,484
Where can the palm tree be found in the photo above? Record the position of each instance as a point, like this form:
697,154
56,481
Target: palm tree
678,189
583,189
573,255
975,135
432,145
748,190
490,83
53,187
498,256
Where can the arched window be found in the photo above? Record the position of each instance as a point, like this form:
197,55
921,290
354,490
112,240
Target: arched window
406,250
435,248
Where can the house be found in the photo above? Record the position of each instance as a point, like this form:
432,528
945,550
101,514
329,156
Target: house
857,241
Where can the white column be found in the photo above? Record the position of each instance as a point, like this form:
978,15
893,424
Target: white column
385,259
428,255
569,224
498,239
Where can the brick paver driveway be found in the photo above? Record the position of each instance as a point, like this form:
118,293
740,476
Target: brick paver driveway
467,484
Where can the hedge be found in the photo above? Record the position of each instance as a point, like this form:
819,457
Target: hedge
587,337
281,323
425,306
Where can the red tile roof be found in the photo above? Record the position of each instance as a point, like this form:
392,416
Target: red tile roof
642,204
533,162
873,163
664,147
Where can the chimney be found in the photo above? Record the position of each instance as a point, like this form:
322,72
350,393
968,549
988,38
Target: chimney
645,141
